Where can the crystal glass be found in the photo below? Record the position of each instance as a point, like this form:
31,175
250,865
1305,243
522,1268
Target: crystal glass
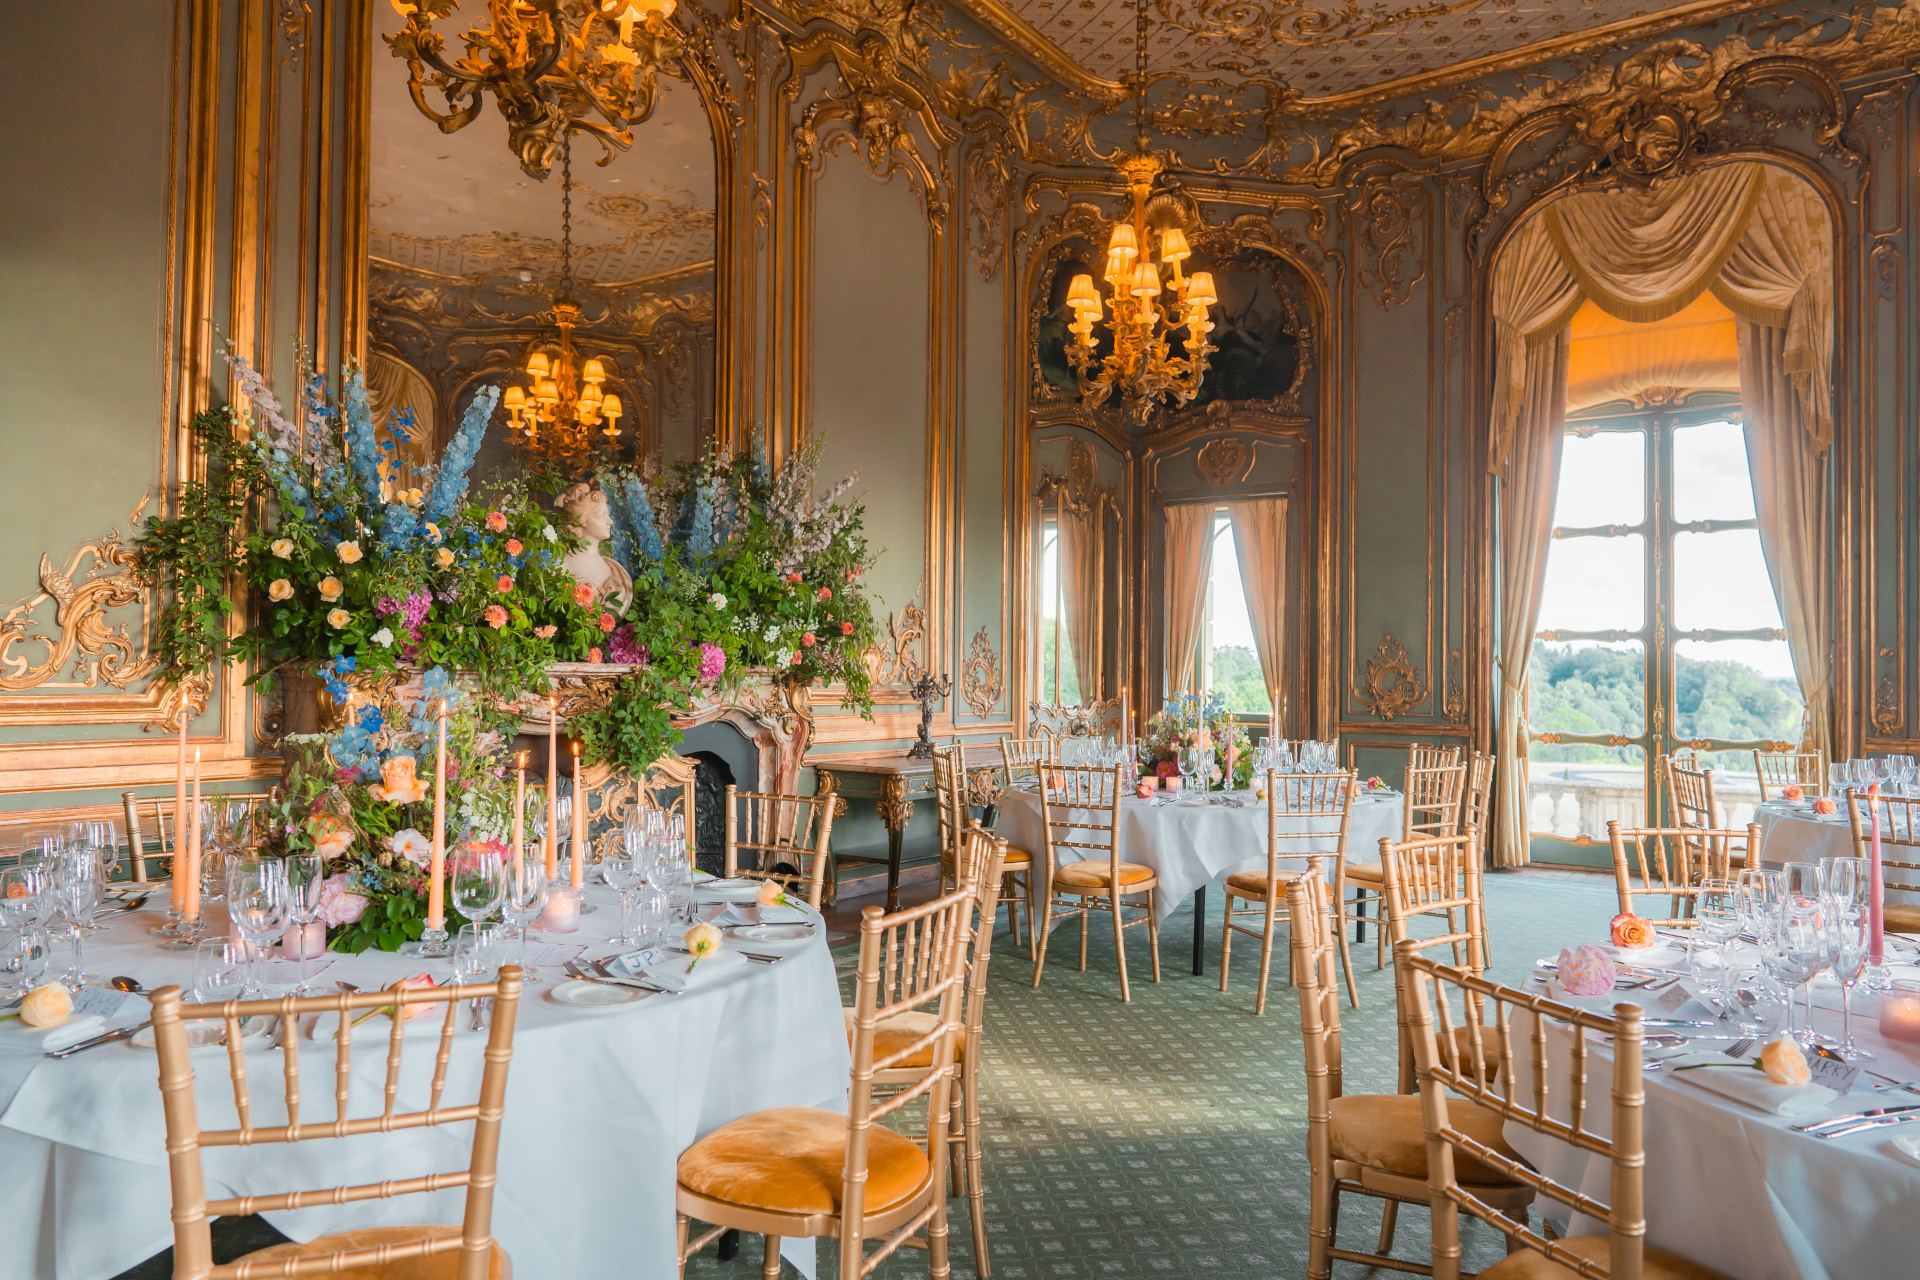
76,889
1839,778
621,866
1716,910
1802,880
24,896
674,875
104,838
1848,933
1801,951
1846,881
653,913
1759,894
1760,1005
257,907
220,970
478,881
523,901
477,953
306,877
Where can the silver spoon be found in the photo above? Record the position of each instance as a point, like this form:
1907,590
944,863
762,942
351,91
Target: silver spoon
127,984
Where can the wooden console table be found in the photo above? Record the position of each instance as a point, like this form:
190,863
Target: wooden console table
893,781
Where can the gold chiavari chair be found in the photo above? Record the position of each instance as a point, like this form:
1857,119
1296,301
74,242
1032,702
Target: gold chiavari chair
1476,810
1435,795
1670,863
465,1252
1779,769
1022,757
1327,796
806,1171
1080,812
1422,756
1695,808
950,802
1364,1144
787,836
1457,1154
1899,852
136,841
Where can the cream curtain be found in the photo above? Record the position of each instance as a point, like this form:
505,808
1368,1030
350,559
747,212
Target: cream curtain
1260,541
1080,591
1533,294
1189,560
1781,275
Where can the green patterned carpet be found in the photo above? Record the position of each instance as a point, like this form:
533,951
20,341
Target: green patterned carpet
1166,1137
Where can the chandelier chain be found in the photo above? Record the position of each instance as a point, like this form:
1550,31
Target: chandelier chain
566,216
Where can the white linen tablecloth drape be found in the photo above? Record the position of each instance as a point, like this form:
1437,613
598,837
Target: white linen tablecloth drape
1191,846
599,1106
1800,835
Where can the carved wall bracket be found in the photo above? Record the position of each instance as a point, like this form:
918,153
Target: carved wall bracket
1393,684
980,682
83,650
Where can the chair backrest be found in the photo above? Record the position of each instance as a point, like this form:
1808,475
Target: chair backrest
615,794
1477,807
192,1211
1433,801
1691,790
1899,836
1023,757
950,801
1080,813
1435,874
910,960
1779,769
1670,863
1313,975
1096,719
986,854
668,785
1491,1017
1307,795
780,831
1422,756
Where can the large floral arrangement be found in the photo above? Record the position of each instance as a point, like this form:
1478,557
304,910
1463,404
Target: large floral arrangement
358,562
1191,721
363,799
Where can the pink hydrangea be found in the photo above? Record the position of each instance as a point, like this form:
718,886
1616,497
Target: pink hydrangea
624,648
339,906
713,661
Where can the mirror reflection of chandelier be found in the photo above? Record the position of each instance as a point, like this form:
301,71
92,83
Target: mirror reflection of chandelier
564,418
1140,365
550,66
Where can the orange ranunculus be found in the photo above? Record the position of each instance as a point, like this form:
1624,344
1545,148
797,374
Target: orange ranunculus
399,782
1629,930
1784,1063
702,941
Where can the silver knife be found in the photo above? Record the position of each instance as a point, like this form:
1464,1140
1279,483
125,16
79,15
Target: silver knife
600,967
122,1033
1835,1121
1878,1122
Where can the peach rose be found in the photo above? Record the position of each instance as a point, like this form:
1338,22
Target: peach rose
496,521
770,894
433,530
546,632
331,835
330,588
338,618
1784,1063
349,552
606,622
594,655
1145,789
444,557
1823,805
503,583
282,548
1586,971
399,782
46,1006
702,941
281,589
413,1010
1629,930
513,547
1794,792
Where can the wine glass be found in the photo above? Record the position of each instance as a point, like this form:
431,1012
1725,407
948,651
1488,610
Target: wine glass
1801,951
220,968
1759,892
479,877
1846,881
306,878
257,905
1849,933
1840,777
621,865
24,961
476,955
76,884
525,898
1716,912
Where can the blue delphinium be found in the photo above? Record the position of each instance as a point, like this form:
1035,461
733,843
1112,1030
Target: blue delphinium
363,446
450,481
694,530
636,540
398,527
436,686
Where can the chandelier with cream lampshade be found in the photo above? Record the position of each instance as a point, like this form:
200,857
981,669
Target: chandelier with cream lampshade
1148,307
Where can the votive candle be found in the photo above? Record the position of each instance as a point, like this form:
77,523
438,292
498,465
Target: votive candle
436,868
1900,1012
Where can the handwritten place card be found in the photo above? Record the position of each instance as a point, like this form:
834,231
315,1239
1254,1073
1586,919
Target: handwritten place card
104,1001
1831,1070
1675,996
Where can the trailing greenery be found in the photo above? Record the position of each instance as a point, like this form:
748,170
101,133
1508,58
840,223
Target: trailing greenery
197,554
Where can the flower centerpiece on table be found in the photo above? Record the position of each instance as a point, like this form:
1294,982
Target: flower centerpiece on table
1189,721
364,801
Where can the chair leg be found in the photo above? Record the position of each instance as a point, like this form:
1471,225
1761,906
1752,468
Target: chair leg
1453,926
1153,932
1035,886
770,1261
1086,909
1346,957
976,1183
680,1249
1226,939
1266,955
1387,1220
1119,943
1040,946
1322,1205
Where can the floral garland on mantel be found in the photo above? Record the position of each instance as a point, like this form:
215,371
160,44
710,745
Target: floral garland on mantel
362,568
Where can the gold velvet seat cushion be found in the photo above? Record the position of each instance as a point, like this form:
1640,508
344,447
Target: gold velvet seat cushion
443,1266
1656,1264
1095,875
1383,1130
1489,1052
1253,884
789,1160
1368,872
901,1030
1903,917
1016,857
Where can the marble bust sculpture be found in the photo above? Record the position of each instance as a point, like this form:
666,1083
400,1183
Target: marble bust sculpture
584,509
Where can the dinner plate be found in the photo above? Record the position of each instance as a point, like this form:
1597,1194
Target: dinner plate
595,995
201,1035
728,890
773,932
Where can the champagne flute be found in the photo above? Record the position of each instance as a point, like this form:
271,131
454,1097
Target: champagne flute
525,898
1716,910
306,879
1802,951
76,885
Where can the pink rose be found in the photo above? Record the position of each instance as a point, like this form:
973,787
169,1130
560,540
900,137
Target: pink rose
496,616
1585,971
496,521
338,906
793,577
513,547
846,628
824,593
808,640
503,583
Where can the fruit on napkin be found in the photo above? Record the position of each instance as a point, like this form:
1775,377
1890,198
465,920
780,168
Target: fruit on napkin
1585,970
1793,792
46,1006
1784,1063
702,940
1630,931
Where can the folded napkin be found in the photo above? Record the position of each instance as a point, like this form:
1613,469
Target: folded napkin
1745,1083
737,913
1906,1146
1593,1004
49,1039
665,967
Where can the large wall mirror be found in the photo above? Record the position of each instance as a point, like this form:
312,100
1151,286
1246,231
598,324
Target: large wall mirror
483,272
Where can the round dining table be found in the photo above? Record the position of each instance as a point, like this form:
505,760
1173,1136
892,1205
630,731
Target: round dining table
1192,841
600,1102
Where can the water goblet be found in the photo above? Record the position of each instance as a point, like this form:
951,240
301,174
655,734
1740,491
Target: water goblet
220,967
1839,778
1802,952
306,881
257,907
24,961
1846,881
1717,913
622,870
477,953
478,880
525,898
1849,933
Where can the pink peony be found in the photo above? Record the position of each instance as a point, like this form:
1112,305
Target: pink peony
496,616
1585,971
713,661
583,594
846,628
503,583
496,521
808,640
338,906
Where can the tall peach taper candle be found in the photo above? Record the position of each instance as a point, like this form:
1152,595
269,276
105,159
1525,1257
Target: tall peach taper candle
579,824
436,869
192,904
553,789
179,888
519,817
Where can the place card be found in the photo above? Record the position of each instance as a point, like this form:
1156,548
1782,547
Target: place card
1831,1070
551,953
276,972
105,1002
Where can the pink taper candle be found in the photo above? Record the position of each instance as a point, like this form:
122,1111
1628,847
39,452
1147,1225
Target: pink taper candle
1876,887
179,887
436,868
579,850
519,816
191,905
553,789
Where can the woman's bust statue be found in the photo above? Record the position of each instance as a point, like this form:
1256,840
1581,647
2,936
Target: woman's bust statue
585,510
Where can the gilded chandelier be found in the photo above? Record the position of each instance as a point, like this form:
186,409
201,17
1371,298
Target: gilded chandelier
1141,366
549,64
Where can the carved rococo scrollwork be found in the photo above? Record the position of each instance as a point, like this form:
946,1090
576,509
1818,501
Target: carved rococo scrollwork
989,183
1393,684
1079,490
873,113
980,681
901,658
1390,210
98,576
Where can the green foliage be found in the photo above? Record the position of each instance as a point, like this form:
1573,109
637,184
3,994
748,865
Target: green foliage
1595,690
1069,675
1237,676
197,553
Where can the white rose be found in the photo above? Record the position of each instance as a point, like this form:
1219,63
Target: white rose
383,637
717,600
548,533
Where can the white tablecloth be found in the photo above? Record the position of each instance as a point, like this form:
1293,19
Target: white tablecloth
1732,1187
1191,846
1800,835
599,1106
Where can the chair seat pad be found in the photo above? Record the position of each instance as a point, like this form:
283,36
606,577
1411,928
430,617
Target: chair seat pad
1095,875
1383,1130
1903,917
789,1160
443,1266
1016,857
1253,884
1367,871
901,1030
1656,1264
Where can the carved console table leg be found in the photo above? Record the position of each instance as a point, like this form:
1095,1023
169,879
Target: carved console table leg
896,811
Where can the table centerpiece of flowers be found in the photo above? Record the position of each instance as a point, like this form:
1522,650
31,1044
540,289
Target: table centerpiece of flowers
1192,720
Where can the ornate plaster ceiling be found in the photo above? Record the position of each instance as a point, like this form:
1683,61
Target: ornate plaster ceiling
458,204
1336,52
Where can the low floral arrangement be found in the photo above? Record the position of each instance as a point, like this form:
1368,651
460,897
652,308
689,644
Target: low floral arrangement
363,799
1190,721
357,562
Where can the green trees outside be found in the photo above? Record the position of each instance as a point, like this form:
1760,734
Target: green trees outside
1596,689
1236,673
1069,678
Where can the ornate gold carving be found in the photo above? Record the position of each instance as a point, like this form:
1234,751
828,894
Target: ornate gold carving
872,114
1456,702
988,186
1088,720
980,679
900,659
1394,685
1886,709
984,787
827,784
1390,209
1079,490
1885,261
1223,461
98,576
894,806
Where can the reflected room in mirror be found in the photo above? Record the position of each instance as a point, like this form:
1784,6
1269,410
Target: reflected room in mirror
586,295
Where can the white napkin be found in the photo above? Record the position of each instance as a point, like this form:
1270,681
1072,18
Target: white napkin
667,968
739,913
71,1032
1593,1004
1751,1086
